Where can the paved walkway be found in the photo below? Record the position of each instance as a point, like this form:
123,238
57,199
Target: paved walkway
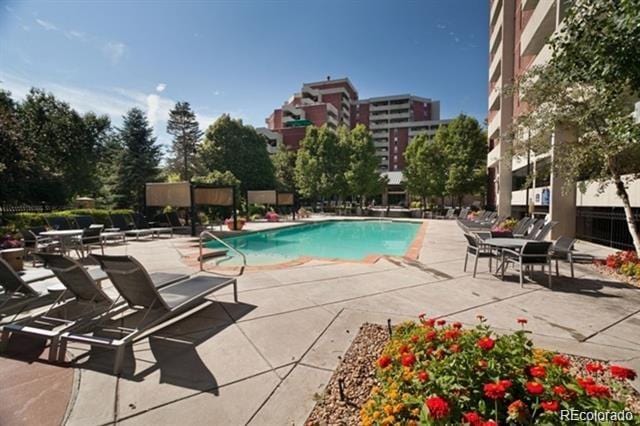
264,360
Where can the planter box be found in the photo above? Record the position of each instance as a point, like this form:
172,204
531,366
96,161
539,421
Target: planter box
14,257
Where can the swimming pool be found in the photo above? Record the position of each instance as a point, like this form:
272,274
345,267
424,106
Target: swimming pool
345,240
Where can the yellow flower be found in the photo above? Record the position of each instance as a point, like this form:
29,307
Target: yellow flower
393,394
398,408
415,412
377,415
388,409
407,375
388,420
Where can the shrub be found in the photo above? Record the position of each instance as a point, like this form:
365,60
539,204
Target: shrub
433,373
28,220
624,262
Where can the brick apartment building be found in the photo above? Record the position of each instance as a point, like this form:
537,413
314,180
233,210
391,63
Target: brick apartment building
393,120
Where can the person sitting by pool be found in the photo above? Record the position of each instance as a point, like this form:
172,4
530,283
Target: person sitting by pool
272,216
303,213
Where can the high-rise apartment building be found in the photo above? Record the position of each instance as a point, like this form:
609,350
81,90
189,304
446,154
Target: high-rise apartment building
519,34
393,120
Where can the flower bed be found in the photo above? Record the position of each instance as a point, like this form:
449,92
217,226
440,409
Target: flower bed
625,263
434,373
431,373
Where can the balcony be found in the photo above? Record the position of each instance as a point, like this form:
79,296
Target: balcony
496,34
519,198
374,126
392,107
544,56
540,26
529,4
390,116
494,126
495,96
494,156
494,68
496,8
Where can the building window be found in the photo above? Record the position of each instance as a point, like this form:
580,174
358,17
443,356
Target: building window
395,148
395,158
395,167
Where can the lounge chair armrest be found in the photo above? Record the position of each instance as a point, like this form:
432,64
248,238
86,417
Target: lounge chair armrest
510,252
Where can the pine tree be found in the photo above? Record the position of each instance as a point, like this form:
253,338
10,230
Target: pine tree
139,161
184,128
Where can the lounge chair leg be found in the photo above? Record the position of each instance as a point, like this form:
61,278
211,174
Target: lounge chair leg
490,258
571,264
117,366
521,276
53,349
62,351
466,256
475,264
550,274
235,291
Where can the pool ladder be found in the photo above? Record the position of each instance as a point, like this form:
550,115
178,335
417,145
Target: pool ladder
221,241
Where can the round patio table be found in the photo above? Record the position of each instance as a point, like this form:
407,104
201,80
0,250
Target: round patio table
61,235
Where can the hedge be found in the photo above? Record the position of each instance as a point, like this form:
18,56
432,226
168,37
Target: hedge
28,220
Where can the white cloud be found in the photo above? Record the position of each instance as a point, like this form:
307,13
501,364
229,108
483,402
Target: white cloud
160,87
46,25
75,34
216,93
441,26
114,51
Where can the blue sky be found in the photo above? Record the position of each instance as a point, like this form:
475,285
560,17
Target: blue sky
242,57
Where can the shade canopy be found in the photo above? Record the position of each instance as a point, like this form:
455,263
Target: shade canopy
177,194
262,197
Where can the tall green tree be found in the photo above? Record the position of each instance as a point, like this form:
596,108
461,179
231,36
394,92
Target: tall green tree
284,164
65,147
320,164
425,170
108,168
361,172
588,88
184,128
231,146
464,144
16,158
139,160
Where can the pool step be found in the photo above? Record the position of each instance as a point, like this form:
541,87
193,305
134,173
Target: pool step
209,254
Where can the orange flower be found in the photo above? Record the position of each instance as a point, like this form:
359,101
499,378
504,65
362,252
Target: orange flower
486,343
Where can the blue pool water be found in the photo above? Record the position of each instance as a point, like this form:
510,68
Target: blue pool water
346,240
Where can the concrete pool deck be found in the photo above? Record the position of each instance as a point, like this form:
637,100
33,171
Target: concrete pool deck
264,360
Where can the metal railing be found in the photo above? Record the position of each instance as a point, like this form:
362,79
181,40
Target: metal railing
221,241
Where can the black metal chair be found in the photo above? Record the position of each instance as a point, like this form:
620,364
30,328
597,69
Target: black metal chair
34,243
477,249
563,250
533,253
544,231
59,223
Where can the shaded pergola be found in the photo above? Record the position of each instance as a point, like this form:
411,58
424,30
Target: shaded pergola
190,195
273,198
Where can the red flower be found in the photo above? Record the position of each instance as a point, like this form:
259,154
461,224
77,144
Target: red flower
585,381
482,364
598,391
404,349
534,388
415,338
538,371
522,321
622,372
423,376
422,315
550,405
441,322
452,334
430,322
438,407
594,367
455,348
486,343
457,325
559,390
384,361
494,390
505,383
472,418
408,359
430,335
561,361
490,423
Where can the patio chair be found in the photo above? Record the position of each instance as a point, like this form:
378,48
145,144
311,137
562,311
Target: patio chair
477,249
533,253
34,243
544,231
158,306
174,221
59,223
125,224
563,250
90,238
522,225
141,223
463,213
84,222
18,292
532,229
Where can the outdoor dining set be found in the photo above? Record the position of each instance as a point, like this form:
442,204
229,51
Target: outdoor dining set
524,246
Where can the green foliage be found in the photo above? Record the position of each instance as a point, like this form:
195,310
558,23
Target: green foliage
231,146
27,220
139,160
184,128
464,145
320,164
284,164
425,170
361,174
51,151
219,179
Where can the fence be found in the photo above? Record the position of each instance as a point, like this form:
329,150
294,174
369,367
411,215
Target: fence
7,210
605,225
